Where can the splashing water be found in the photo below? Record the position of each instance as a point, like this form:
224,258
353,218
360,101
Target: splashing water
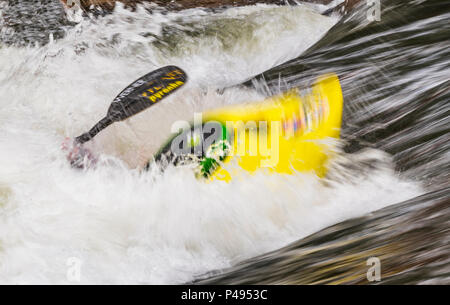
127,226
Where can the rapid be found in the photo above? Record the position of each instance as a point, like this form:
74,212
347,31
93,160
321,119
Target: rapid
127,226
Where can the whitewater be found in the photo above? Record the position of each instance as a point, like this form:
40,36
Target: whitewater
126,226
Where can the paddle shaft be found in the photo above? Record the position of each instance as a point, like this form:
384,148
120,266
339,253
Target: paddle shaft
105,122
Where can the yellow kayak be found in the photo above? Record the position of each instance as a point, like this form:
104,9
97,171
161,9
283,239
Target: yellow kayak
282,134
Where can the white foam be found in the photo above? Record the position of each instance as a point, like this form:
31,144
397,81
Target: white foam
131,227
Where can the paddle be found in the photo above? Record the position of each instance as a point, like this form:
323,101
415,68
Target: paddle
140,95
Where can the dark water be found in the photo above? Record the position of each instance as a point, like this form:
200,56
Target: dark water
395,77
27,22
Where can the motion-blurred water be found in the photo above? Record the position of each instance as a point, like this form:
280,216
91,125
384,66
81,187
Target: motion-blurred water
395,78
127,226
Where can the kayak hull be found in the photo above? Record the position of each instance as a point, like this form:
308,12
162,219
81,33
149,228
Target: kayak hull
283,134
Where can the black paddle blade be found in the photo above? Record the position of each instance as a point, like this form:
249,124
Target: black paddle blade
146,91
141,94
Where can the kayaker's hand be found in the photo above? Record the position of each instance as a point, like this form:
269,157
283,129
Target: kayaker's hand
78,155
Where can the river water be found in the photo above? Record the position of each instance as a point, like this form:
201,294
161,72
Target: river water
121,225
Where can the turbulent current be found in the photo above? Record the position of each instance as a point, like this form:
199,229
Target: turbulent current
58,76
